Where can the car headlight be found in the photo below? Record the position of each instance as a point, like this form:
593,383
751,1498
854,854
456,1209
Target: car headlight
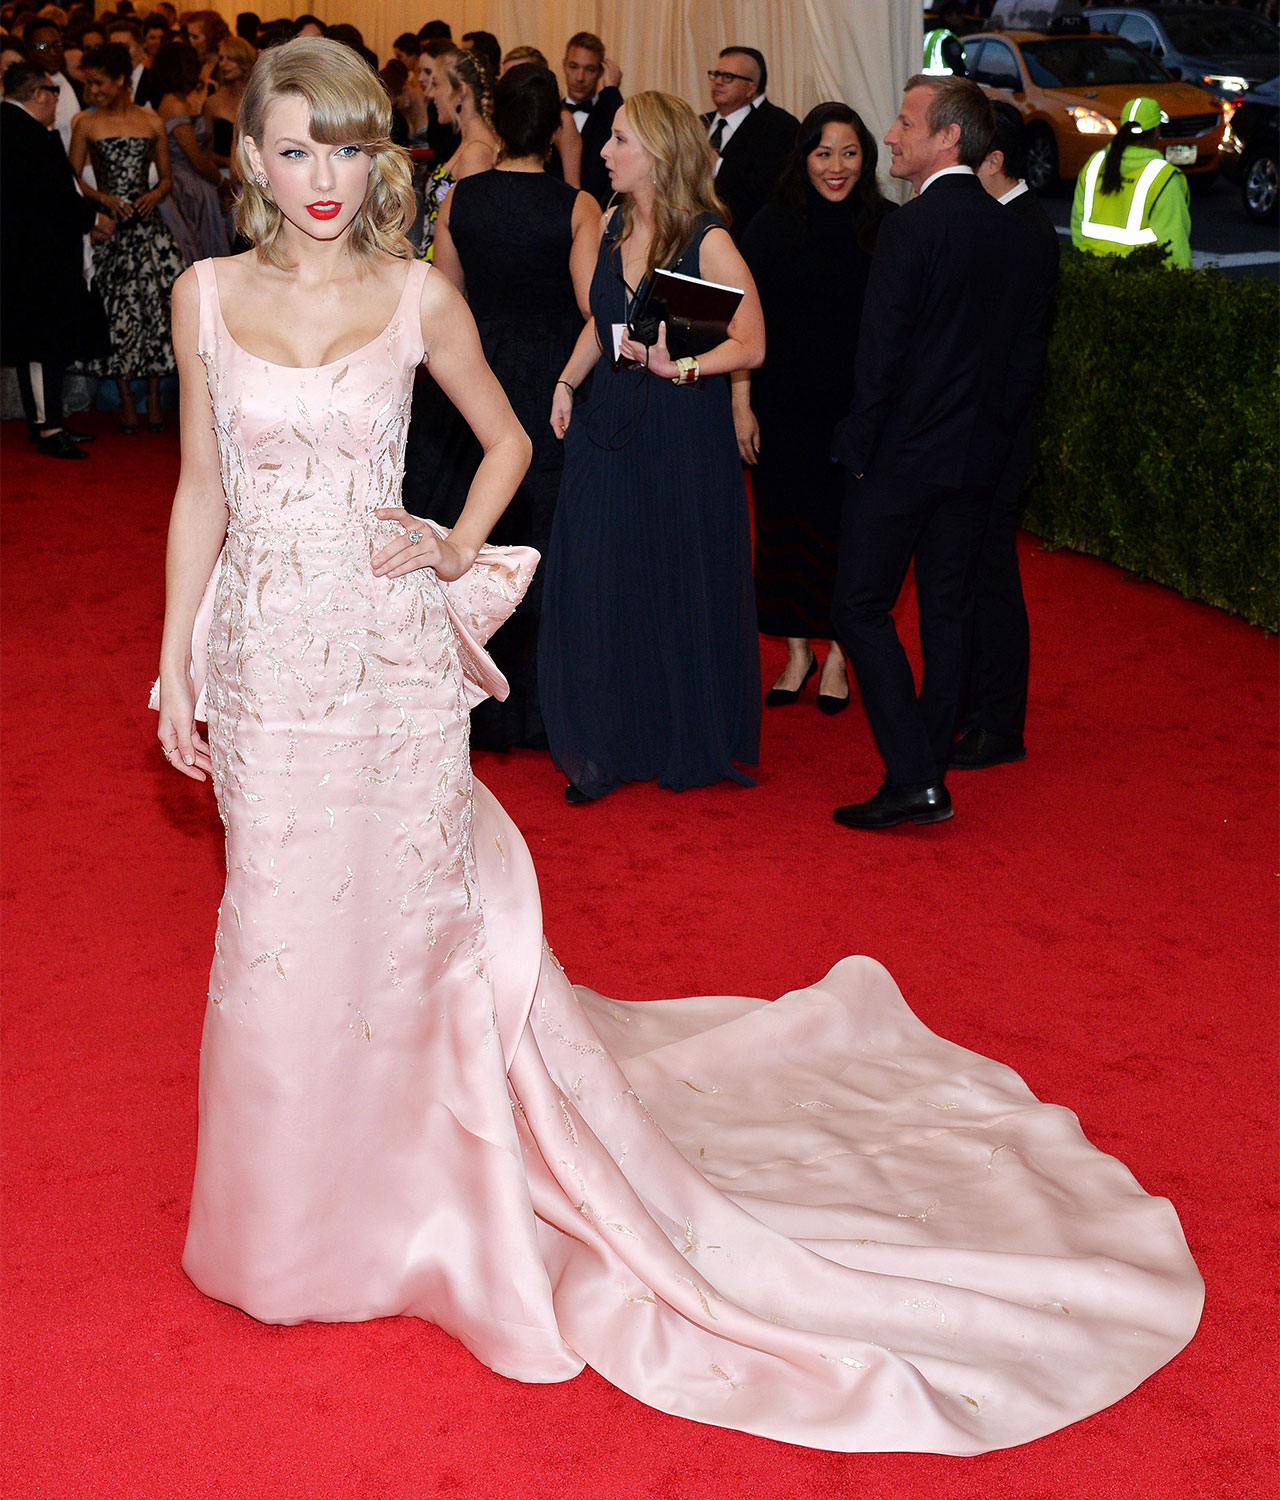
1089,121
1229,83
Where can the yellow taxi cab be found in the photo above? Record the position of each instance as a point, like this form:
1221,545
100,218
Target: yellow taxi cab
1070,89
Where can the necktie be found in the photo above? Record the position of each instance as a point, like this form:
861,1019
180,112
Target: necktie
717,134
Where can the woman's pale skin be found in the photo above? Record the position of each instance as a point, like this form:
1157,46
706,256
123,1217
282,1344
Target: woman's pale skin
584,226
477,144
631,172
320,308
833,168
113,113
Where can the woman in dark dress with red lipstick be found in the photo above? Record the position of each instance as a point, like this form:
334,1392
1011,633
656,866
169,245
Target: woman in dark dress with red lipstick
809,251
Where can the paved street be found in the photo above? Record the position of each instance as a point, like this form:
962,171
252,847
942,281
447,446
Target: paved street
1221,231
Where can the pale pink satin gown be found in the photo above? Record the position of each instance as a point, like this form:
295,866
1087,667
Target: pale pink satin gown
811,1219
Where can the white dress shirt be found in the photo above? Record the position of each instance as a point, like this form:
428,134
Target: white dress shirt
731,123
945,172
68,108
1016,191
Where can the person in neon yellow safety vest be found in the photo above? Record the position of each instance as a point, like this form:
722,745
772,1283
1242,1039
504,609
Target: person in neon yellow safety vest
943,53
1127,195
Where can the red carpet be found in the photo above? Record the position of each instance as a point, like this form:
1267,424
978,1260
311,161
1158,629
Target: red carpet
1101,917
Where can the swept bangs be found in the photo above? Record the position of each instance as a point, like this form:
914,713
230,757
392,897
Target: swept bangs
346,106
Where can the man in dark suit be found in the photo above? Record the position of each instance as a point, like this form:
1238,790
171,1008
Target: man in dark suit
751,137
949,354
995,707
128,33
48,316
592,97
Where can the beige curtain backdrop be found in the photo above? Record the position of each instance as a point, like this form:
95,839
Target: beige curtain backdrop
860,51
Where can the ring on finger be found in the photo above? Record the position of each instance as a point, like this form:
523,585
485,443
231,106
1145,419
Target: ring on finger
168,754
414,538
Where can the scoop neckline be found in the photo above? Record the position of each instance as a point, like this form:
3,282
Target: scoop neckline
329,363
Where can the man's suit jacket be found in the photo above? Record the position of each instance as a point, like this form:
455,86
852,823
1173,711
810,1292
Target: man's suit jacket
145,91
46,310
751,160
951,344
595,133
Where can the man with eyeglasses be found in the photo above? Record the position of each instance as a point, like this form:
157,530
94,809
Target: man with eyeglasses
592,97
44,42
48,316
750,136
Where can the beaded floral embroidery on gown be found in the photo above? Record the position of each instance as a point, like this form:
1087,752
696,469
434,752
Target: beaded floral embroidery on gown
811,1219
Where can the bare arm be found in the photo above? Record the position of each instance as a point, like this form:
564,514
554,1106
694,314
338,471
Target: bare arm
164,172
186,137
745,426
587,226
119,208
197,526
569,144
444,255
743,348
456,361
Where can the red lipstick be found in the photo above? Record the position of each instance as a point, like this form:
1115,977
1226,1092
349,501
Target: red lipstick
324,210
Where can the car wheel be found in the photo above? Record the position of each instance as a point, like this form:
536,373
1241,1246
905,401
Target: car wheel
1042,159
1258,189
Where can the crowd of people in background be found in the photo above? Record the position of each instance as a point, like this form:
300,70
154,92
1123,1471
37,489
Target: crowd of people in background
630,659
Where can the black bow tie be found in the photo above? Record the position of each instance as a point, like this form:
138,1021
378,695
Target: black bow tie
573,108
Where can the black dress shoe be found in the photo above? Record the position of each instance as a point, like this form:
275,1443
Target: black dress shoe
80,437
978,748
777,697
891,806
59,445
575,796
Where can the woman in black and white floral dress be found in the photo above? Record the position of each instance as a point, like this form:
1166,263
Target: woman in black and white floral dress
134,270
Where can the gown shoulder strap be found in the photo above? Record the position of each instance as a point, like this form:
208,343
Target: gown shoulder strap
210,308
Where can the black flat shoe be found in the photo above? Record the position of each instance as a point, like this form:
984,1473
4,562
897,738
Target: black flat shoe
777,697
575,796
830,704
977,749
155,426
129,429
891,806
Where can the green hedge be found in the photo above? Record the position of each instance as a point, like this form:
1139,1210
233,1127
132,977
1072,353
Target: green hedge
1159,429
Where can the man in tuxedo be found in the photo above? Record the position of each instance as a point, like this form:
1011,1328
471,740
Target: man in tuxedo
995,706
949,354
750,136
44,41
48,316
592,97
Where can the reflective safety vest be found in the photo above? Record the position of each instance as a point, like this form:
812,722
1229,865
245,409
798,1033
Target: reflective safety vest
934,62
1120,219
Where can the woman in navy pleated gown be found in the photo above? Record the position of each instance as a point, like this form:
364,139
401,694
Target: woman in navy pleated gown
648,660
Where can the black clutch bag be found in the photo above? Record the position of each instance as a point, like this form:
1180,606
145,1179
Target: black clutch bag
697,313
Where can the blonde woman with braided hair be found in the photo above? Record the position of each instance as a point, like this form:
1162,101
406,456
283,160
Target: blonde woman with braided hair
649,664
460,87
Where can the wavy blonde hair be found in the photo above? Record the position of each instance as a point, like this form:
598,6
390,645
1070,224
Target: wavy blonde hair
683,173
347,106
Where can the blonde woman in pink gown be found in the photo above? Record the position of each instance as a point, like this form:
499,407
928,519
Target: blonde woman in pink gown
811,1219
